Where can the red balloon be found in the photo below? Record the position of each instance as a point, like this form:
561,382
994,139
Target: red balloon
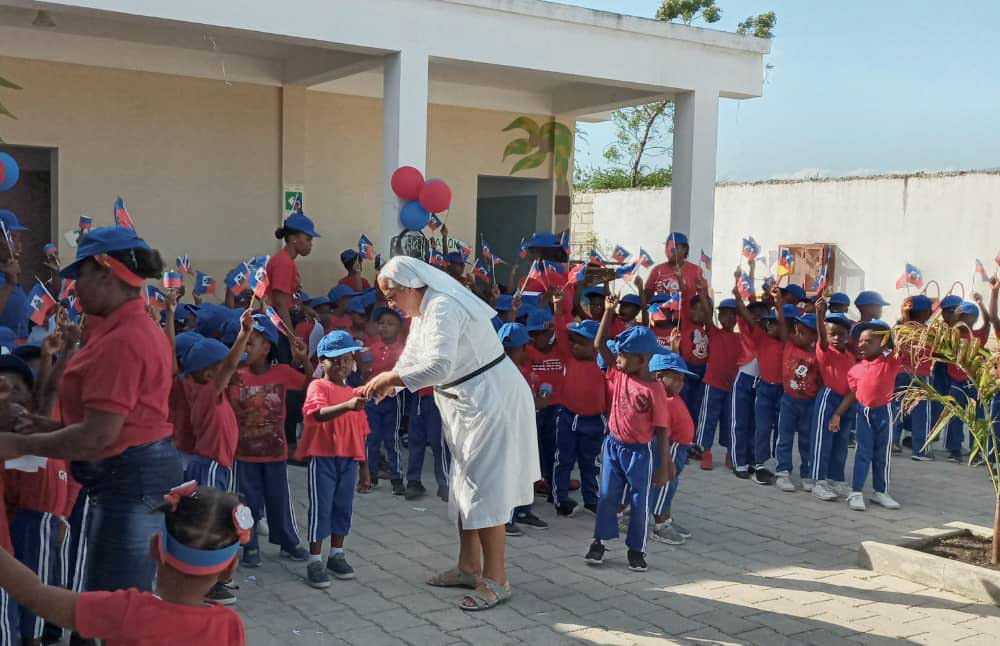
435,196
407,182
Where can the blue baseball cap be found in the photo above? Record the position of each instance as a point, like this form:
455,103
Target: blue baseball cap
921,303
456,257
10,221
531,299
102,240
318,302
839,319
597,290
505,302
10,363
968,307
951,301
299,222
869,298
839,298
795,290
669,361
513,335
632,299
348,256
230,330
727,304
635,340
339,292
184,340
184,310
337,343
543,240
203,353
7,337
27,351
360,303
808,320
264,325
876,324
586,329
678,238
211,318
538,319
382,311
790,312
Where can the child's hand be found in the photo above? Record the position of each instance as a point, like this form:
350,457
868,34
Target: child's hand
610,303
171,301
738,273
516,302
820,308
977,298
666,473
300,353
638,283
51,345
364,480
675,341
246,321
776,294
558,296
358,403
835,423
994,283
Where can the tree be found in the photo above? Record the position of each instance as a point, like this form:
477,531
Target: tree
640,133
4,83
689,11
761,25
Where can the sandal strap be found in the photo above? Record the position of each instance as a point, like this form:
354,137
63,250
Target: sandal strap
501,591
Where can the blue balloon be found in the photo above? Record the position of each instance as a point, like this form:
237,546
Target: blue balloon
413,217
11,172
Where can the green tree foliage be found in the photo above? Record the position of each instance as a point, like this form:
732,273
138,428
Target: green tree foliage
689,11
761,25
9,85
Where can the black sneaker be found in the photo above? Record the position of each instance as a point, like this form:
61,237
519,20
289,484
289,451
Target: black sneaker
637,561
221,595
566,509
316,575
511,529
397,487
414,490
531,520
297,553
591,507
595,555
954,456
443,492
763,477
694,452
742,474
339,566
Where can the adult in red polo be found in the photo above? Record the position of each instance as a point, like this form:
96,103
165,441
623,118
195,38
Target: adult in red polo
676,274
113,401
297,232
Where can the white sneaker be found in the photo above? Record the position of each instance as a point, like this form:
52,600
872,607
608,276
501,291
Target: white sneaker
885,500
840,488
807,484
822,492
785,483
262,529
856,501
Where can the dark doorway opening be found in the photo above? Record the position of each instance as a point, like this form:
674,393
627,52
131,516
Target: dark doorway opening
509,210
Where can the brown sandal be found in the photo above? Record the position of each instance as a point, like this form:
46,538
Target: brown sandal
453,578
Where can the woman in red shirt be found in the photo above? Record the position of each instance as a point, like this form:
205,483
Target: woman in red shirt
113,400
282,274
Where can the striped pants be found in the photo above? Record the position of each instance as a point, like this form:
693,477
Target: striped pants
874,448
264,485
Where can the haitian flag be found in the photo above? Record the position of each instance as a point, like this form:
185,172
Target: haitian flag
658,312
626,272
366,248
621,254
487,254
750,248
645,260
673,302
238,279
911,276
438,259
204,284
172,280
820,283
671,247
564,241
769,282
122,218
40,303
480,271
597,259
68,289
981,271
51,251
536,273
155,298
785,263
275,318
706,260
744,286
523,251
434,223
259,281
577,273
86,224
464,248
555,274
184,265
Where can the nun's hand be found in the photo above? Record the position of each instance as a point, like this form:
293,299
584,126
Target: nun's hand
381,386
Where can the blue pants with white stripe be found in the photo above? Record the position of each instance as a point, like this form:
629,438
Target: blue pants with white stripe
545,422
795,418
384,419
624,465
578,439
264,486
919,421
962,392
693,390
715,412
829,450
741,420
34,536
765,424
425,431
874,448
660,498
902,419
209,473
330,483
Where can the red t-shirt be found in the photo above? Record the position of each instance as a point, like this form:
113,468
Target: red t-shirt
954,372
748,349
339,323
530,377
133,618
723,353
637,407
125,368
47,490
4,528
349,282
180,417
680,429
800,372
212,422
662,335
282,274
341,437
873,382
583,390
548,367
303,330
833,367
770,356
259,404
694,343
385,356
663,280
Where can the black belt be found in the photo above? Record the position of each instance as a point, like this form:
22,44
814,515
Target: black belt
462,380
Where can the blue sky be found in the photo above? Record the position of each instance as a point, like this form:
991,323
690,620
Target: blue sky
858,87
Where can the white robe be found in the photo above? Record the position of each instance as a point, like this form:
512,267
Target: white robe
490,427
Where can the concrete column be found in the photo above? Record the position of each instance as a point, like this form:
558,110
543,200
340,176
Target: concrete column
404,130
293,143
692,195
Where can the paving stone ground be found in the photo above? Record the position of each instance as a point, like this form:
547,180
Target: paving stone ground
763,567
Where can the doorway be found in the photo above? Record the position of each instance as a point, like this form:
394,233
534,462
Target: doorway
32,199
509,210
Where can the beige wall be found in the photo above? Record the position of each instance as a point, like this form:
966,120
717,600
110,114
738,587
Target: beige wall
198,161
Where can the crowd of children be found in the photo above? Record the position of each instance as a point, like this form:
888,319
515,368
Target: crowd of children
628,388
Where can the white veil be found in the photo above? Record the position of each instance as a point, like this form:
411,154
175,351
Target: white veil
410,272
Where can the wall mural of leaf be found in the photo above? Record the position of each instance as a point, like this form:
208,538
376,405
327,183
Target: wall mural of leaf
517,147
533,160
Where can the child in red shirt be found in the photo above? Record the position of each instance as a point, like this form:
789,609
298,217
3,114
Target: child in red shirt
770,349
340,302
333,442
547,360
386,416
204,523
351,260
961,388
801,383
871,383
638,413
262,454
672,372
720,372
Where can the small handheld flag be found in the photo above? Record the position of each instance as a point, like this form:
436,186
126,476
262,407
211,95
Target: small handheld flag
596,258
464,248
981,271
706,260
237,279
626,272
204,284
184,265
671,247
555,274
434,222
744,286
673,302
645,260
577,273
769,282
487,254
536,272
259,281
785,264
155,298
122,218
621,254
438,259
911,276
564,241
480,271
820,283
86,224
275,318
51,251
366,248
523,250
40,303
750,248
172,280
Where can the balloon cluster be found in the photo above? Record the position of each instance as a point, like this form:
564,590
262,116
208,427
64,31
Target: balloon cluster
420,198
9,172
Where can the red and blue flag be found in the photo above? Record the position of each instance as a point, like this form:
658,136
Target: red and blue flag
672,302
626,272
597,259
555,274
911,276
86,224
981,271
785,264
122,218
184,265
745,286
275,318
564,241
621,254
204,284
238,279
481,271
155,298
577,273
51,251
645,260
366,248
259,282
523,250
172,280
40,303
434,222
706,260
750,248
671,247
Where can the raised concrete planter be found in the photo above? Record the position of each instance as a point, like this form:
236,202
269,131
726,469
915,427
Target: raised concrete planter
902,560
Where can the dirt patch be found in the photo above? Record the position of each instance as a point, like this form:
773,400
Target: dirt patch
966,548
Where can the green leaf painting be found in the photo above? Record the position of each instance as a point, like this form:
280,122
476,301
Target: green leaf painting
8,85
550,137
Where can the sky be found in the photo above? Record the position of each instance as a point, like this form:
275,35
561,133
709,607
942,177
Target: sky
857,87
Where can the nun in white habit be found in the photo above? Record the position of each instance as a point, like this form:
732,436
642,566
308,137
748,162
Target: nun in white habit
487,412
